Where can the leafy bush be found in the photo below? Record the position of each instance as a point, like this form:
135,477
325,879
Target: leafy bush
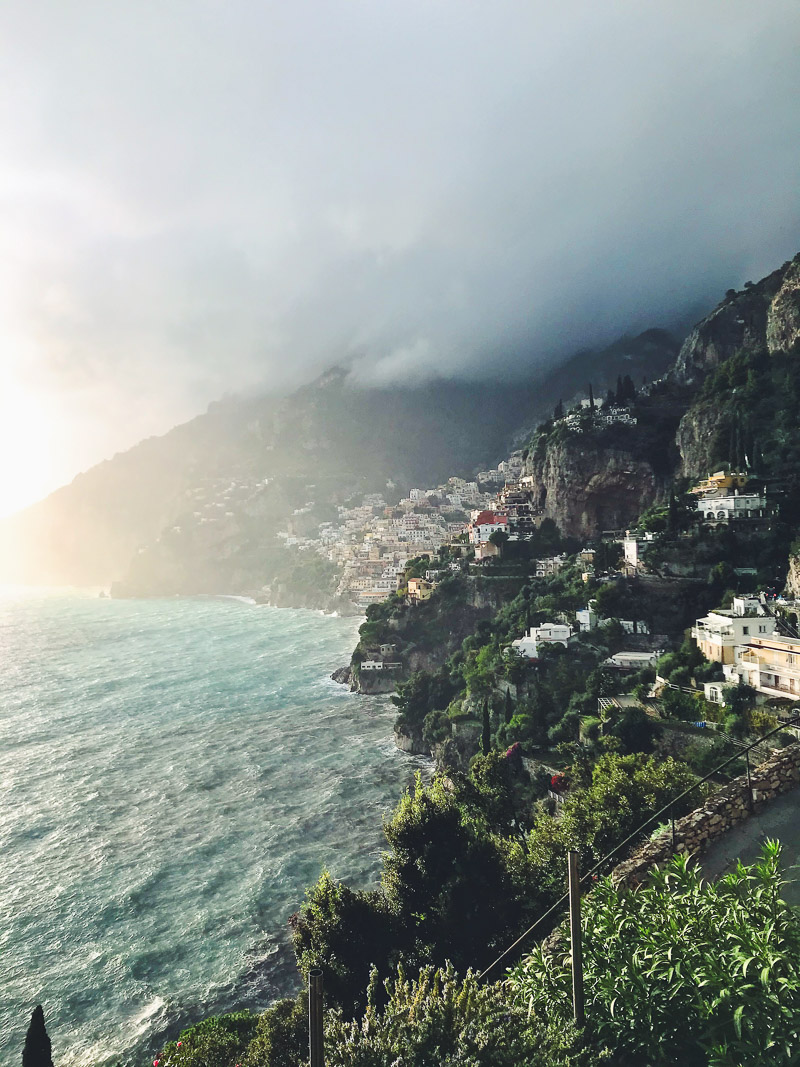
439,1020
683,971
219,1041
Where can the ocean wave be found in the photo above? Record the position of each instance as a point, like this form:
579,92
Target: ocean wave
182,804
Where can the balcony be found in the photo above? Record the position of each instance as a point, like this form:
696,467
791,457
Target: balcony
779,684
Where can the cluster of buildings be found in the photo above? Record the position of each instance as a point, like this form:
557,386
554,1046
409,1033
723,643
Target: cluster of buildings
744,641
587,619
373,541
593,414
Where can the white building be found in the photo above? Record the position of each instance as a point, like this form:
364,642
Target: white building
721,631
549,633
484,524
633,661
632,546
722,507
586,619
771,665
547,567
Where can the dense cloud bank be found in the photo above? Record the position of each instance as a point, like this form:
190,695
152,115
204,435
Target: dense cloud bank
201,196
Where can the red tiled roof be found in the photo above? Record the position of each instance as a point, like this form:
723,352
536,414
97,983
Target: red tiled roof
489,518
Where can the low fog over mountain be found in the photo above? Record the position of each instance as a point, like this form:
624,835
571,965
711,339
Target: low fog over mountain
203,197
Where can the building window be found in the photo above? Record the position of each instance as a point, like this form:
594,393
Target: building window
745,629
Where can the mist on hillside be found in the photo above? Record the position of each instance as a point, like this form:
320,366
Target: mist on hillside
205,198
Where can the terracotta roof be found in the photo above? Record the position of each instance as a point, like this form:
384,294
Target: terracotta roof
490,518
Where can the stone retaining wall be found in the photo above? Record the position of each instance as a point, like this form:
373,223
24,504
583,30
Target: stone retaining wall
729,806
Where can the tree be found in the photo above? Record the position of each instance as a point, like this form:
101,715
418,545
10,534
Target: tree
558,411
498,538
635,729
486,737
36,1052
591,397
739,697
623,792
508,710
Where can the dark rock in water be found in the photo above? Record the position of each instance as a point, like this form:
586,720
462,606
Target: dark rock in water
341,675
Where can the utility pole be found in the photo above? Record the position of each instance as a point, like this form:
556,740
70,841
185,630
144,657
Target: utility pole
576,944
316,1048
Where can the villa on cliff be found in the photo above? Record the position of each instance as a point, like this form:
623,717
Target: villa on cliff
549,633
484,524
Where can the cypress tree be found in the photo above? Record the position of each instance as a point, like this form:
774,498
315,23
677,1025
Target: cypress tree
620,392
37,1044
486,740
508,713
591,397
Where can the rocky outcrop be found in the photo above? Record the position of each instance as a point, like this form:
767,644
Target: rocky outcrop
739,324
585,487
783,315
373,683
762,317
411,741
793,577
697,436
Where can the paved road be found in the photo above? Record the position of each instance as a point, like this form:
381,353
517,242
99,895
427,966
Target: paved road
781,819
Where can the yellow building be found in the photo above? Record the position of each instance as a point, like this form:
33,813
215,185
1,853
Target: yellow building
419,589
721,480
771,665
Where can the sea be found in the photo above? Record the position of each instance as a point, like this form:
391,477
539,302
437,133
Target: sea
173,775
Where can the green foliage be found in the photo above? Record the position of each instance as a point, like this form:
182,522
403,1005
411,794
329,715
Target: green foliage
436,727
281,1036
486,731
452,888
424,693
457,889
635,729
344,931
440,1020
682,972
687,706
739,698
622,793
219,1041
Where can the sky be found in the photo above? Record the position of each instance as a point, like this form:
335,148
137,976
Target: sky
203,197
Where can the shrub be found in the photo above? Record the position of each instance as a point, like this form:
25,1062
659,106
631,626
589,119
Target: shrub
439,1019
683,971
219,1041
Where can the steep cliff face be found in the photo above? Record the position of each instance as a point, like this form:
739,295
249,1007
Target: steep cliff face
751,329
793,577
585,488
762,317
783,315
697,435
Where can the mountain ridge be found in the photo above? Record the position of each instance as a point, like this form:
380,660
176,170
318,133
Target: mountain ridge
330,430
